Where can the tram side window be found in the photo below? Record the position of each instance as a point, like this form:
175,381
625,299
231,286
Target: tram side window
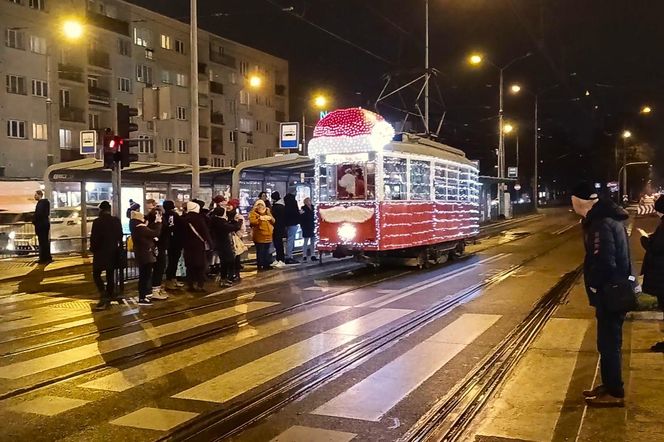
452,183
464,184
420,180
327,185
440,181
395,178
474,186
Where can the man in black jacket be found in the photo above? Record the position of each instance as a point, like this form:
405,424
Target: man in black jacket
279,214
607,261
42,223
105,245
173,228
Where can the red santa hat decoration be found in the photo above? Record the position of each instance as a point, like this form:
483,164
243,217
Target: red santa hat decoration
350,130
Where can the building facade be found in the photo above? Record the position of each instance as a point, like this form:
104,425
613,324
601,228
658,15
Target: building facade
125,50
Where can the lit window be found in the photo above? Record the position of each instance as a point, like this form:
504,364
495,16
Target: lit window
142,37
37,44
166,42
39,131
181,80
65,138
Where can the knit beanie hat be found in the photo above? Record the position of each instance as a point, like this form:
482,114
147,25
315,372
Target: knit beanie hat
169,205
104,206
585,191
193,207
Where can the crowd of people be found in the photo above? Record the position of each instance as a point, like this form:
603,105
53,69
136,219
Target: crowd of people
209,238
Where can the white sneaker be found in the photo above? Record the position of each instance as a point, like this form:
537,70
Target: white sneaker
159,294
279,264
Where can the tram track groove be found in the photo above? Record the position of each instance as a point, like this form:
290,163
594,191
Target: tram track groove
448,419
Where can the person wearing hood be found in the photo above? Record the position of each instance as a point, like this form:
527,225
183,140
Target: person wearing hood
222,229
233,213
653,264
144,238
262,229
160,252
607,262
279,213
105,245
174,232
292,222
197,243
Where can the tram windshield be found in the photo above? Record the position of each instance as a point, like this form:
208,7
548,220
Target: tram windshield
347,178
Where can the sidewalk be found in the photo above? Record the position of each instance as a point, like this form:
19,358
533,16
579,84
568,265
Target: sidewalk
16,268
541,398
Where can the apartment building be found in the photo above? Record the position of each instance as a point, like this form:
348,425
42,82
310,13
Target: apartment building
125,49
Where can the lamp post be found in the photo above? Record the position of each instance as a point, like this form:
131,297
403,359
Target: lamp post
193,69
253,82
623,172
477,59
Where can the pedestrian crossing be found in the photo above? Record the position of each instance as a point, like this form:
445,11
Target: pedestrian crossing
316,332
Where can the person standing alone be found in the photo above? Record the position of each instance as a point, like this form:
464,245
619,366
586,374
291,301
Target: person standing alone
279,214
606,263
307,223
105,245
42,223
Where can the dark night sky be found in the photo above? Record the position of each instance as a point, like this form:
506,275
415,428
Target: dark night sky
612,48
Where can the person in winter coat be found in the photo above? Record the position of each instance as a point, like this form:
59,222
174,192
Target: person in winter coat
308,227
233,213
197,242
42,223
262,229
279,213
607,261
653,264
222,229
145,246
173,228
105,245
160,251
292,221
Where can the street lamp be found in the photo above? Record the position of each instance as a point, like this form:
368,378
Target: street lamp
515,88
73,29
477,59
646,109
508,128
626,134
320,101
254,82
623,172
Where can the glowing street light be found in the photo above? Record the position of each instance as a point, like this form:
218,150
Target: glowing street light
626,134
320,101
646,109
508,128
515,88
475,59
72,29
255,81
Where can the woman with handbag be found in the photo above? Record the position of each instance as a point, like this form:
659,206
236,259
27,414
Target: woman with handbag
607,272
233,212
223,231
196,245
653,264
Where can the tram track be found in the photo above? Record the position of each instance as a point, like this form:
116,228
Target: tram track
226,422
448,419
225,328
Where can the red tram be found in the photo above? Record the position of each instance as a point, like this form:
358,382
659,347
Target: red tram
377,197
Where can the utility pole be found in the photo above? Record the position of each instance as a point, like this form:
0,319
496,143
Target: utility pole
195,141
501,149
536,169
426,69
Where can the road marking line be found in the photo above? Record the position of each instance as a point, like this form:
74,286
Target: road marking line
259,371
97,349
565,229
137,375
384,300
371,398
529,407
48,405
298,433
158,419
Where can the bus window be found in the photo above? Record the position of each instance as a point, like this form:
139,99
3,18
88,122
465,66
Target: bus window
395,178
440,182
420,180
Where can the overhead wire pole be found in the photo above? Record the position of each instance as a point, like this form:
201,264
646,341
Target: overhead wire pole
426,69
501,149
195,141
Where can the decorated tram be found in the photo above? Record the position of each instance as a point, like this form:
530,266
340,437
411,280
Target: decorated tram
381,197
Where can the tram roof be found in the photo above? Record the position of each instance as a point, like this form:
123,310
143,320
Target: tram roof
413,144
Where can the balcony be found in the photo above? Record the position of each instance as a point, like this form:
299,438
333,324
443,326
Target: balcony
70,72
280,89
216,88
203,132
99,59
223,59
99,96
217,118
108,23
73,114
280,116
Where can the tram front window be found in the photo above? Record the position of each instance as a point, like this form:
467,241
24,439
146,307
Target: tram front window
347,181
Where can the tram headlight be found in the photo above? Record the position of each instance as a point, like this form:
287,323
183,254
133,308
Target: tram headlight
347,232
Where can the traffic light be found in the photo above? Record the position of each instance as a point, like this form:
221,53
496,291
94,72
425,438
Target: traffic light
125,129
109,149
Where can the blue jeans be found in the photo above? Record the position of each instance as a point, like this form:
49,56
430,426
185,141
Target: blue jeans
290,245
263,257
609,345
308,247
